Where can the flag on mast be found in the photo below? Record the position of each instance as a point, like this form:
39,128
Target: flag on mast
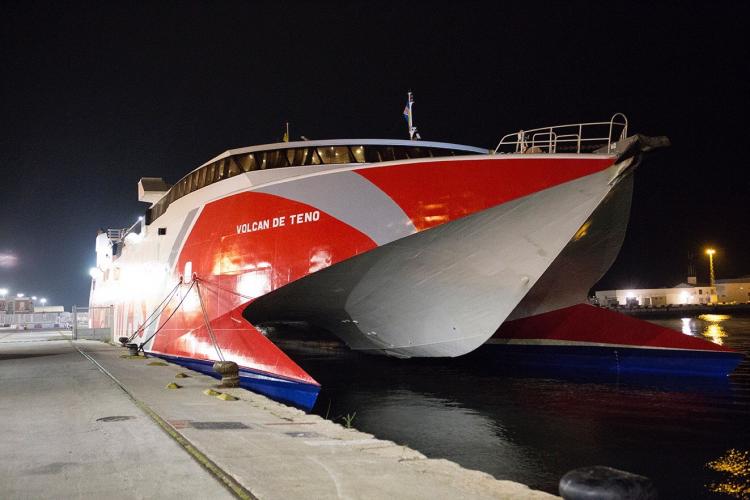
408,115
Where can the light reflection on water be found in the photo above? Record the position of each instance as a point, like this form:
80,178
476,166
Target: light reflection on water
708,326
734,468
533,428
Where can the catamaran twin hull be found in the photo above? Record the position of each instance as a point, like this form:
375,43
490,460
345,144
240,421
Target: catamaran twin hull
422,256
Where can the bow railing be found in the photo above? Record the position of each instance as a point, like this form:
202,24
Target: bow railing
573,138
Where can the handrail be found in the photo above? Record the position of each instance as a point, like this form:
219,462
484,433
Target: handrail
580,135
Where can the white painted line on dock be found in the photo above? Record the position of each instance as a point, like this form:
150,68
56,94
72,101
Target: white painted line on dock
343,442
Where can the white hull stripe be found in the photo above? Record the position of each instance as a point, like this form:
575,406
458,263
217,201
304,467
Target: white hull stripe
181,238
352,199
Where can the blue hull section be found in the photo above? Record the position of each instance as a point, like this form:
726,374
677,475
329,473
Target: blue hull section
286,391
604,359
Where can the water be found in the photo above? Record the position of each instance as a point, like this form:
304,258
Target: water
533,428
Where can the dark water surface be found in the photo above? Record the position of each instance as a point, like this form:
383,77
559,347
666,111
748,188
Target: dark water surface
533,427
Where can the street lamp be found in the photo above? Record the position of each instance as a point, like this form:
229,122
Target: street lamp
710,252
19,295
33,297
3,292
43,301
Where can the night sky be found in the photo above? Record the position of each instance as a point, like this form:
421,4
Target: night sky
96,95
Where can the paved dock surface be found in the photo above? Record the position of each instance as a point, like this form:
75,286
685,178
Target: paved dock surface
52,391
54,444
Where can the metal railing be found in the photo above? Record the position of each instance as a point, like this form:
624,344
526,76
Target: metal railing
93,323
26,321
115,234
573,138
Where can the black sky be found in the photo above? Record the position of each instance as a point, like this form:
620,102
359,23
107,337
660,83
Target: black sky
96,95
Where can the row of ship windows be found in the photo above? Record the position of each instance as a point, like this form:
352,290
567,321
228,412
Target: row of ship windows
292,157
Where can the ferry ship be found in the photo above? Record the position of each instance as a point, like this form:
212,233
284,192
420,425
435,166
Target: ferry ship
407,248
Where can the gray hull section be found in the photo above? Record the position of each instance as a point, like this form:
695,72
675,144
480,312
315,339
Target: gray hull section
585,259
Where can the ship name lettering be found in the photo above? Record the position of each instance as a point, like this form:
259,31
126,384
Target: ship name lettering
281,221
304,217
251,227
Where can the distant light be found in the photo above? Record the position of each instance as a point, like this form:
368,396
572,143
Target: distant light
19,295
140,217
3,292
43,300
710,251
33,297
93,272
8,260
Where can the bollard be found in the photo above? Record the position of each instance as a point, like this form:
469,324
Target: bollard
230,373
133,348
605,483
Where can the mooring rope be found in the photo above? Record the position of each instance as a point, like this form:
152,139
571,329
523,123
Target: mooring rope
140,347
208,323
214,285
153,316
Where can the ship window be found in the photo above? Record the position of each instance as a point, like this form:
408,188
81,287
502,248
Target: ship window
232,167
334,154
210,168
273,159
387,153
221,170
194,183
312,157
400,153
418,152
246,162
372,154
358,152
201,178
295,157
326,154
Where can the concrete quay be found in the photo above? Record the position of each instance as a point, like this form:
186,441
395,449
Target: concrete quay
81,419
